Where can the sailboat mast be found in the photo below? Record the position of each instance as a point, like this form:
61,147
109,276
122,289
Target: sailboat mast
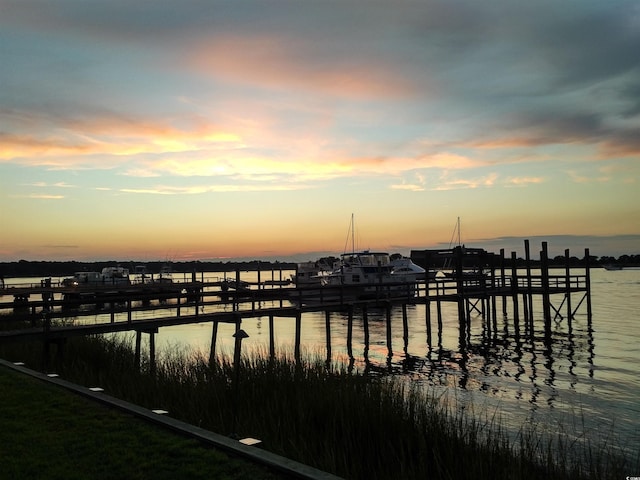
459,234
353,239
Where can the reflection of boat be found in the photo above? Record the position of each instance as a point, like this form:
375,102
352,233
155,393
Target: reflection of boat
141,276
233,284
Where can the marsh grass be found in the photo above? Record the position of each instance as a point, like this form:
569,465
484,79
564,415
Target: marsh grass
327,416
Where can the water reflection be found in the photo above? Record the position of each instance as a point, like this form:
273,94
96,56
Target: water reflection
497,357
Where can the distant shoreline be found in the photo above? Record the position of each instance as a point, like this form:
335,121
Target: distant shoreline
27,268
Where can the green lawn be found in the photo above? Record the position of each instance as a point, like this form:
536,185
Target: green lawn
47,432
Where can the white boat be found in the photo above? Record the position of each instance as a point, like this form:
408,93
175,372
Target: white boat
166,275
371,275
115,276
311,273
404,270
108,276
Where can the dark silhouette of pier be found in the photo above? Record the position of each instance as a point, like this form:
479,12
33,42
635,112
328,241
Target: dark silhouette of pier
473,279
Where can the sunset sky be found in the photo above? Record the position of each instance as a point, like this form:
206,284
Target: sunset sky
254,129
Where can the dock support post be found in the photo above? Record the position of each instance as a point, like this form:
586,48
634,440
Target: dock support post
528,307
327,325
350,331
365,321
503,282
514,286
389,346
546,300
462,307
138,348
405,327
567,261
272,339
587,277
259,278
152,353
427,311
439,310
298,328
214,339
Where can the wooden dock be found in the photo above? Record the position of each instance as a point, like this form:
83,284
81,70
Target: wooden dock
475,280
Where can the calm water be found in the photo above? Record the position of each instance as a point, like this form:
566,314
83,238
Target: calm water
585,383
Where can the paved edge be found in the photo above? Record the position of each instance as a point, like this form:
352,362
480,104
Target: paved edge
277,462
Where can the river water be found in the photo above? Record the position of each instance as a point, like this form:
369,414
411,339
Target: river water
584,383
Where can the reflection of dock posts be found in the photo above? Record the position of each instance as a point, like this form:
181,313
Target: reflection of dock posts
327,325
405,327
567,275
178,303
546,300
587,279
350,331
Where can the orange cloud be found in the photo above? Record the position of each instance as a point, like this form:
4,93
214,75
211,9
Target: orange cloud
282,63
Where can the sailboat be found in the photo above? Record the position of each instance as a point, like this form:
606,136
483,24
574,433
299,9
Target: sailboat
373,272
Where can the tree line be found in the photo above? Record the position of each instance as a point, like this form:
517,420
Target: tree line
27,268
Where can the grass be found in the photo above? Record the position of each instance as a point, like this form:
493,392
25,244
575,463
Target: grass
349,424
46,432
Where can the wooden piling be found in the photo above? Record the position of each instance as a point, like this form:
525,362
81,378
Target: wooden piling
327,327
350,331
152,352
272,339
405,327
365,321
514,286
567,277
389,338
298,333
138,348
546,300
214,338
587,277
